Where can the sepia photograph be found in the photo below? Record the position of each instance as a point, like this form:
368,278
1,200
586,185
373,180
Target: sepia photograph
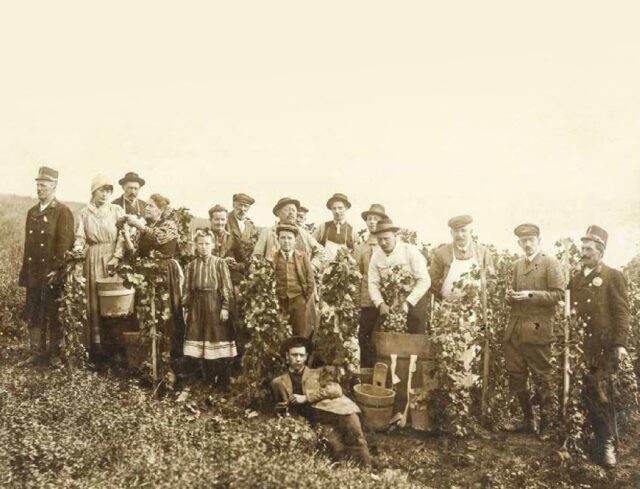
320,245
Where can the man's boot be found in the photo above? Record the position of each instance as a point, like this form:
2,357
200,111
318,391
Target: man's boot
37,347
527,424
545,432
608,453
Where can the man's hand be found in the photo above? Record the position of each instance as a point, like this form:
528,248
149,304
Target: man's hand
520,295
405,307
619,354
224,315
383,309
297,399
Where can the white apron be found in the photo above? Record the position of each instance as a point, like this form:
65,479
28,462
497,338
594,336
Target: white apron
457,270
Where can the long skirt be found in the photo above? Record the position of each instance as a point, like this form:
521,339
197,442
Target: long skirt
207,336
95,267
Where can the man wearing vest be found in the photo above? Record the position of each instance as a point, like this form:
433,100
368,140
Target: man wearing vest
131,184
392,252
452,261
538,285
49,235
368,311
295,283
238,224
337,233
599,298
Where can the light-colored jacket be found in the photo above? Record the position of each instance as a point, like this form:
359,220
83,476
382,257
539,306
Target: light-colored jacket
267,246
363,253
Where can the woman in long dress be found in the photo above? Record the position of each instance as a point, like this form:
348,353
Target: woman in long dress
96,236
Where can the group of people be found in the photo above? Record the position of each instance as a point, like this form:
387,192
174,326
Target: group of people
204,297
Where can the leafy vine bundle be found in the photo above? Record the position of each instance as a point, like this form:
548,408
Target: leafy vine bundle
72,310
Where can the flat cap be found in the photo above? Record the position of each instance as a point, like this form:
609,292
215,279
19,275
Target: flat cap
526,229
597,234
287,227
48,174
459,221
244,199
302,209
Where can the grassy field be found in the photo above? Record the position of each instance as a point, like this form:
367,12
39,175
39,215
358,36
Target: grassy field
84,429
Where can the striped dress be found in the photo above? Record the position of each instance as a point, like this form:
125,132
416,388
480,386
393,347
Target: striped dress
207,291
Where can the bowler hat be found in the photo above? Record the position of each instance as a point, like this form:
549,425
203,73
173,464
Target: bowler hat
459,221
243,199
376,210
48,174
294,341
338,198
131,177
287,227
385,225
302,209
597,234
526,229
285,201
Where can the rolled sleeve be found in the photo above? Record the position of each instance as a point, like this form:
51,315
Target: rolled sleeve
374,281
418,265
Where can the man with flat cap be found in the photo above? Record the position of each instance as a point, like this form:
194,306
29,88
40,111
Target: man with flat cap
49,234
393,252
537,286
286,210
368,310
316,395
295,284
599,298
301,216
337,233
451,262
131,184
238,223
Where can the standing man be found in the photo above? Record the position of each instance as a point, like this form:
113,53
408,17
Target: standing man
238,224
599,298
131,184
452,261
392,252
368,311
301,217
538,285
295,284
225,244
49,234
337,233
286,211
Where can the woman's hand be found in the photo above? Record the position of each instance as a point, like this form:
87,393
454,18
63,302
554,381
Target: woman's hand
111,265
224,315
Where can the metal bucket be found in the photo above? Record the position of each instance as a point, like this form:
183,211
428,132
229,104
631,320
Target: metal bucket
114,299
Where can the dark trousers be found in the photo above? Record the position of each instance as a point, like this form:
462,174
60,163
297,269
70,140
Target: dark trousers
41,314
524,359
596,396
368,321
296,309
417,316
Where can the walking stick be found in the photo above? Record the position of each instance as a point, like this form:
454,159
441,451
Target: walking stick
486,352
154,345
566,367
612,411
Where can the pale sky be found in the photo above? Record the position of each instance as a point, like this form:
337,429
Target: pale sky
508,111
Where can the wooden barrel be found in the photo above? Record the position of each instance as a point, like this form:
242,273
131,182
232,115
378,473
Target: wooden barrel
114,299
376,404
404,345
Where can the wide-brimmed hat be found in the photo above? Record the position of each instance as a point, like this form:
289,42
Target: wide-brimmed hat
285,201
243,199
131,177
526,229
294,341
385,225
338,198
100,181
376,210
459,221
597,234
287,227
47,174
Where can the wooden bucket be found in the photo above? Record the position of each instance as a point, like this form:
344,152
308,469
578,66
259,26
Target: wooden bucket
376,404
114,299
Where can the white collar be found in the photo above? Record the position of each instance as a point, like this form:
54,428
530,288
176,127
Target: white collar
43,207
532,257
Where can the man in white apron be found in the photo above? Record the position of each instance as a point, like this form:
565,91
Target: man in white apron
337,233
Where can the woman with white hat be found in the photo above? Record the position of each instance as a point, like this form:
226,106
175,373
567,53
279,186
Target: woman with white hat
96,236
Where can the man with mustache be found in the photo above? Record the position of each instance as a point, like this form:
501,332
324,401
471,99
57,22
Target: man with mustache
538,284
599,298
452,262
337,233
238,224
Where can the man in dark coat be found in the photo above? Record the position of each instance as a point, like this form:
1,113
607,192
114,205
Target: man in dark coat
537,286
240,226
131,184
49,234
599,298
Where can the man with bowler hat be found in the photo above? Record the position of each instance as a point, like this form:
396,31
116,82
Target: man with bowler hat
599,299
49,234
337,233
131,184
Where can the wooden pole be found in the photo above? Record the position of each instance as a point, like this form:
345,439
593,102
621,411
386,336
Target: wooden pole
486,352
566,367
154,340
